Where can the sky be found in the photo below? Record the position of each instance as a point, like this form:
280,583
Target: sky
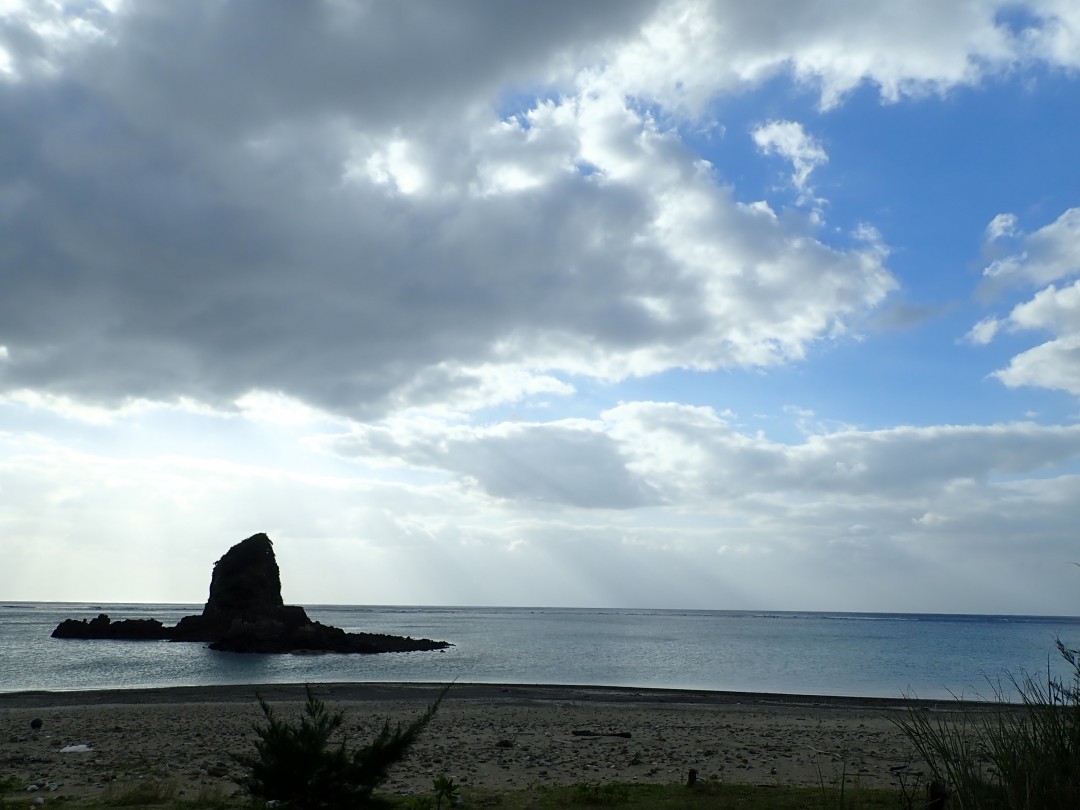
626,303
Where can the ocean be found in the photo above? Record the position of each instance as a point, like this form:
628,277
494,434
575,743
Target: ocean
861,654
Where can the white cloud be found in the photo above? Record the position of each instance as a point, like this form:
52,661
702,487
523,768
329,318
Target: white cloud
1054,364
984,331
393,165
1050,256
1056,38
789,140
628,509
70,408
694,48
1001,226
277,409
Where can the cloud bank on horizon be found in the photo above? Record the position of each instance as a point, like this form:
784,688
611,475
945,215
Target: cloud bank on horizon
662,304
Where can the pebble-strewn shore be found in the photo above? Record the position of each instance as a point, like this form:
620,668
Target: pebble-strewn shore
490,736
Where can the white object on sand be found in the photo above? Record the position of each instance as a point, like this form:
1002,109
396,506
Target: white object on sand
81,748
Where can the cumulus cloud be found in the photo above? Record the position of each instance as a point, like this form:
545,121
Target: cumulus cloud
983,332
1001,226
354,206
1048,258
647,454
921,47
1050,253
789,140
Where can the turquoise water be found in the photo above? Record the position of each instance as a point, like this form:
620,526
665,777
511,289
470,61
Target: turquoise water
872,655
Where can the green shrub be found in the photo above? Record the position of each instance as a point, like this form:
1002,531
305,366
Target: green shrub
1014,758
9,784
446,789
297,765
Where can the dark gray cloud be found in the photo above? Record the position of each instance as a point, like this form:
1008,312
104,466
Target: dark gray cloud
557,464
379,65
201,200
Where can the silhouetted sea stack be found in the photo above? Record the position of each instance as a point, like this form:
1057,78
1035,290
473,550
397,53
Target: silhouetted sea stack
245,605
245,613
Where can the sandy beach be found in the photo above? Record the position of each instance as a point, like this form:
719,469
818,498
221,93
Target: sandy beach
485,736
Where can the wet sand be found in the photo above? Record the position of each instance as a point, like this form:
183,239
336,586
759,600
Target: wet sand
485,736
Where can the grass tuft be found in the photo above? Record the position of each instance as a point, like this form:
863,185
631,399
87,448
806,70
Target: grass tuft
1023,757
605,795
148,793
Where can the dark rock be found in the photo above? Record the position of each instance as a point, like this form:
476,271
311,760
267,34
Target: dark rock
245,584
245,604
35,724
584,732
245,613
103,627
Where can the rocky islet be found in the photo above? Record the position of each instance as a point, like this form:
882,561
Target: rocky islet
245,613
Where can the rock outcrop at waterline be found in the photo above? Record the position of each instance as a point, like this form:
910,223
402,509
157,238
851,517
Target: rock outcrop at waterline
245,613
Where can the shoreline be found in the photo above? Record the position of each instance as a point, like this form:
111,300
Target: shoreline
489,737
413,691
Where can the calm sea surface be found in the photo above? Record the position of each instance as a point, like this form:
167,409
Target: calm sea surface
865,654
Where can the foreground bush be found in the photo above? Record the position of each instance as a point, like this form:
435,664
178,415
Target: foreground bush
296,764
1017,758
